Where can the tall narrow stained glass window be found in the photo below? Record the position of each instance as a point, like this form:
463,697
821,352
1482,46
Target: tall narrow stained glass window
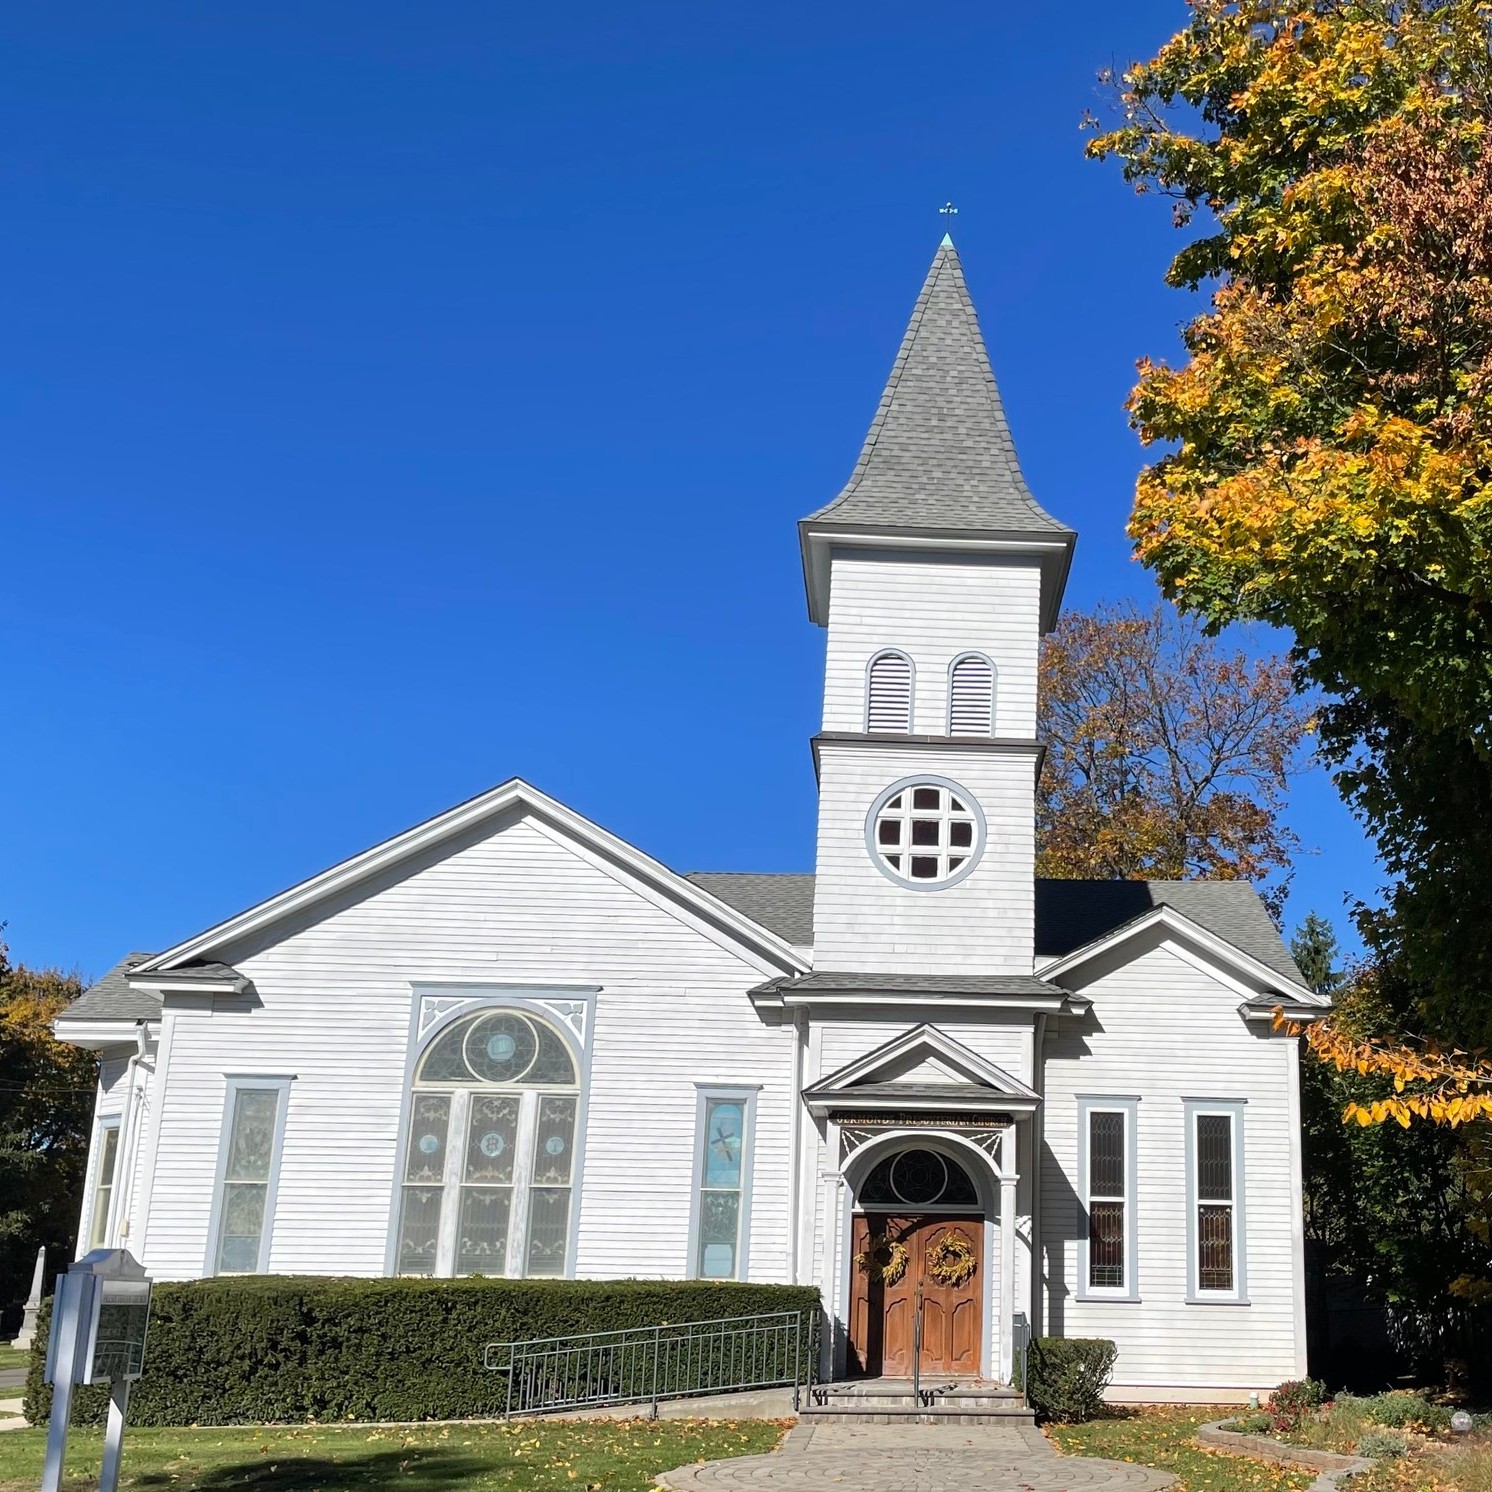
489,1152
103,1186
722,1168
1108,1192
253,1118
1215,1202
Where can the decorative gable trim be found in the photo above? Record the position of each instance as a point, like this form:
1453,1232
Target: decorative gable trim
1240,971
920,1044
708,913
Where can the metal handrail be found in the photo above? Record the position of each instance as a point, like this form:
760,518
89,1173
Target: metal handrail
651,1363
917,1345
1020,1341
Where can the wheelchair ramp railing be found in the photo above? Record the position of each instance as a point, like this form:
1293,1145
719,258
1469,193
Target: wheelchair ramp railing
644,1365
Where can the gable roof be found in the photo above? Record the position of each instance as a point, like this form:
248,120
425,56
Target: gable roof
1259,983
1072,914
768,948
865,1083
112,999
939,455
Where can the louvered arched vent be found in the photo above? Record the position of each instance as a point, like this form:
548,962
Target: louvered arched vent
971,696
888,704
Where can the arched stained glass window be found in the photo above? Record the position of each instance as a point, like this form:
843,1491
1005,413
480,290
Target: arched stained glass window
488,1159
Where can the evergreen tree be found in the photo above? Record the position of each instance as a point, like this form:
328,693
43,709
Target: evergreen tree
1314,948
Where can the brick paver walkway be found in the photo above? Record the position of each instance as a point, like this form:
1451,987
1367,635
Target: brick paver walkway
917,1458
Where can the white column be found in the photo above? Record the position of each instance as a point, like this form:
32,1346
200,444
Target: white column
1007,1266
831,1221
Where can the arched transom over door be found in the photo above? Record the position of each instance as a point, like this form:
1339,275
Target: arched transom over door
489,1151
918,1248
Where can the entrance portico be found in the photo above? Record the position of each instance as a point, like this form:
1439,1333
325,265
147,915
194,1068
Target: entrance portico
914,1169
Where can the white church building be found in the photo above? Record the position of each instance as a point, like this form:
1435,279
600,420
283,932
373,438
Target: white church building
506,1042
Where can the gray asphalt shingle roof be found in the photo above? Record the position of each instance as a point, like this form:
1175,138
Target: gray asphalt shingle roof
939,455
1069,914
783,904
112,999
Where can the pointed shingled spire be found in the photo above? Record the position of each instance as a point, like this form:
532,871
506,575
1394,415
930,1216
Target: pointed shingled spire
939,456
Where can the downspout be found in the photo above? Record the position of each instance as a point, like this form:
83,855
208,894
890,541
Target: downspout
129,1142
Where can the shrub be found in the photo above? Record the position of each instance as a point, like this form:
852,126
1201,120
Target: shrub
1382,1444
1066,1376
293,1348
1251,1424
1291,1402
1401,1411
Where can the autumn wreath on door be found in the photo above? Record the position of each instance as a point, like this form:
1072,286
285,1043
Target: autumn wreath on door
882,1259
950,1260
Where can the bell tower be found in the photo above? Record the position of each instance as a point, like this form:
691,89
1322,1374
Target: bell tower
936,573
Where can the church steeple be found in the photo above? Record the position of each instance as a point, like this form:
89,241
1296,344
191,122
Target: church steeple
939,461
935,572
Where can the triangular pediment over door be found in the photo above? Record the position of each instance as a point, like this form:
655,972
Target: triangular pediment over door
922,1068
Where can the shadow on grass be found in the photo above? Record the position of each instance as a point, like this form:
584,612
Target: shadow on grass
413,1470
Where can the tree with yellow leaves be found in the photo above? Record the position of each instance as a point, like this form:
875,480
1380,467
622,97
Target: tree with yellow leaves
46,1106
1168,754
1326,444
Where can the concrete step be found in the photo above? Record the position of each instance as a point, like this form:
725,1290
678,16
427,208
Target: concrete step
891,1401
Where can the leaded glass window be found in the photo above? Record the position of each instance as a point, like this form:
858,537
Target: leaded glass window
1107,1192
103,1186
1215,1201
489,1152
722,1168
253,1119
917,1178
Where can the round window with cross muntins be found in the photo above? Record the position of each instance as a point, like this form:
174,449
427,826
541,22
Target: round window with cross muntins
926,833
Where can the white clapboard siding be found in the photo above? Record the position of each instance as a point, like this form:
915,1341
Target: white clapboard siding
331,1008
971,697
889,693
1162,1031
864,920
933,611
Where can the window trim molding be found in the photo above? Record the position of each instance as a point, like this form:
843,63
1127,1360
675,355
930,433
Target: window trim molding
927,779
994,694
745,1094
102,1126
469,998
870,664
1195,1295
233,1084
1129,1106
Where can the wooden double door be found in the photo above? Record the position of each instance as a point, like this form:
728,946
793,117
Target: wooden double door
883,1313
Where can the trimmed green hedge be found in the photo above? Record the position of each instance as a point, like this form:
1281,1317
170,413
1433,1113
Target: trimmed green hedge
1066,1376
295,1348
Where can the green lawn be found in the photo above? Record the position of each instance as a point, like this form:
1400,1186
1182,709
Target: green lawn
617,1455
10,1358
1165,1438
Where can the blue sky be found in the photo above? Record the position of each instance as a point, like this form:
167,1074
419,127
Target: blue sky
398,398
